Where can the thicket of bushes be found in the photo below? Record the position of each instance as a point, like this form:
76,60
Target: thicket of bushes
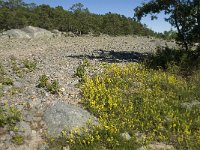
78,19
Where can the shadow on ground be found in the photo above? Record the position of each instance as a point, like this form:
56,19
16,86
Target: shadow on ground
113,56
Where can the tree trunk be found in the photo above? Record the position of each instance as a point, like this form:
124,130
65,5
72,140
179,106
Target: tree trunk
185,44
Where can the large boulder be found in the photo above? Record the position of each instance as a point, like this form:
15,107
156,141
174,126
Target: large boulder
15,33
36,32
63,116
27,32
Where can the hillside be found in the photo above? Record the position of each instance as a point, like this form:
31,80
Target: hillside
71,79
78,19
25,60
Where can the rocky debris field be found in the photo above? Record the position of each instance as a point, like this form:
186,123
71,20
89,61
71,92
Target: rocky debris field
56,56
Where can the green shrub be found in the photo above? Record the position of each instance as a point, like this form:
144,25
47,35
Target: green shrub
30,65
21,67
16,67
6,80
81,69
175,60
9,116
53,87
18,139
1,90
43,81
134,99
15,90
2,70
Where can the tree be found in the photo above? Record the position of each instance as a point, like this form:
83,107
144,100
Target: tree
78,7
13,3
184,15
17,14
44,16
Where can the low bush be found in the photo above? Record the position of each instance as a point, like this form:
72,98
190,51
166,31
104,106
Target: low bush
81,69
21,67
9,116
4,78
149,105
18,139
52,86
30,65
178,61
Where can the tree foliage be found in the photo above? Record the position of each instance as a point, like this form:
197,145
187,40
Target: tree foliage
184,15
78,19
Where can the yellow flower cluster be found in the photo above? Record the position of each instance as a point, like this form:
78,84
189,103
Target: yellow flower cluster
147,104
132,98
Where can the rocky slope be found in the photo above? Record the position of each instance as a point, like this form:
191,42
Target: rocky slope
57,56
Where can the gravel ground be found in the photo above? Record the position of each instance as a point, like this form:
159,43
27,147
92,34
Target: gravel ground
58,58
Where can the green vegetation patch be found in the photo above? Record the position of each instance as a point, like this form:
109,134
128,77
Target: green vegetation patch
52,86
176,61
81,69
149,105
4,78
18,139
9,116
21,67
30,65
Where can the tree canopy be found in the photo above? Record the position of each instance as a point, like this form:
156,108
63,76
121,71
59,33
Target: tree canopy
78,19
184,15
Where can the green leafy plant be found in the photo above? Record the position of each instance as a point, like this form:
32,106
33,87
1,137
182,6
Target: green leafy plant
81,69
2,70
53,87
6,80
15,90
18,139
21,67
43,81
9,116
1,90
175,60
15,67
30,65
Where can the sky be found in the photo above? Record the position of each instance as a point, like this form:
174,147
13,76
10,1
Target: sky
123,7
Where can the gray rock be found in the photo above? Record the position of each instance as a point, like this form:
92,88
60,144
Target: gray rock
16,33
35,32
71,34
56,33
125,135
157,146
24,128
27,33
43,147
37,119
28,117
137,84
63,116
18,84
160,146
20,107
190,105
142,148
